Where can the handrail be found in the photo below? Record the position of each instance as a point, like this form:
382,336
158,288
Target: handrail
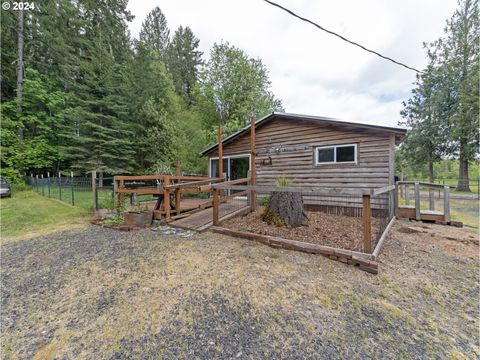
422,183
193,183
225,184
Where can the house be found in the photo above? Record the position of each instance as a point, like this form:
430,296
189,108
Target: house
311,151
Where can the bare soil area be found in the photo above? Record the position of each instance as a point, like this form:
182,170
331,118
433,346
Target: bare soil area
343,232
95,293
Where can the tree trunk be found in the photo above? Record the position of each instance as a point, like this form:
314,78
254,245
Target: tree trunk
430,171
285,208
462,184
100,179
20,71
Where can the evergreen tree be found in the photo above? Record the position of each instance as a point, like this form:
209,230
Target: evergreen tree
155,32
98,135
184,61
152,105
444,111
461,49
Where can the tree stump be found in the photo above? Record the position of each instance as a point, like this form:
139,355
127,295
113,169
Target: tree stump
285,209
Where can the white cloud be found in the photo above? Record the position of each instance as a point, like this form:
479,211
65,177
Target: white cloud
312,72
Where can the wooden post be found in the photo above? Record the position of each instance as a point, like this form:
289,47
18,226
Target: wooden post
431,198
367,225
115,189
395,200
179,172
401,188
253,173
177,201
121,195
166,197
215,207
43,191
220,152
94,188
417,201
446,203
407,196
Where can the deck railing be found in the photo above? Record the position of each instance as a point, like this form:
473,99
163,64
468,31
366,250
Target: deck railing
404,195
163,186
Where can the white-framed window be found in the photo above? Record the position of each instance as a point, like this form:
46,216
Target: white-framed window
336,154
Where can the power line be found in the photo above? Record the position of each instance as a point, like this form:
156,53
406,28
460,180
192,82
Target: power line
340,36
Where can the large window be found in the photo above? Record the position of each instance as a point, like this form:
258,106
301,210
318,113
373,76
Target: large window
336,154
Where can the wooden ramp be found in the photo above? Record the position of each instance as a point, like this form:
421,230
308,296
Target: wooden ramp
409,212
203,219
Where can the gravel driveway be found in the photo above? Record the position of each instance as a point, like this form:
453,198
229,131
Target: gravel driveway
96,293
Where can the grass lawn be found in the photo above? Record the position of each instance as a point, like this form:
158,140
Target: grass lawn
82,197
29,214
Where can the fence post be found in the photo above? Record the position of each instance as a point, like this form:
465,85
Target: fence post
48,184
115,188
166,196
94,190
407,195
60,185
446,203
215,207
73,196
395,200
367,225
417,201
177,201
431,198
43,191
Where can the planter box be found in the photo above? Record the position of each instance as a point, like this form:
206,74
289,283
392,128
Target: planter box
140,219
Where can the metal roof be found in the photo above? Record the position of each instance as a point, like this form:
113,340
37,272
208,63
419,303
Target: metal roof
275,114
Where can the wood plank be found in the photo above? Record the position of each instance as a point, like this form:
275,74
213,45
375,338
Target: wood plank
367,224
306,191
215,207
446,203
379,245
417,201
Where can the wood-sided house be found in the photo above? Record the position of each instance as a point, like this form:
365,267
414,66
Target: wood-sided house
311,151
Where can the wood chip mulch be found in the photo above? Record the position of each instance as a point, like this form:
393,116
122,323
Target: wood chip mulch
337,231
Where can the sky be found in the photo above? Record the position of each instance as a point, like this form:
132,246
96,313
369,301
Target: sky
312,72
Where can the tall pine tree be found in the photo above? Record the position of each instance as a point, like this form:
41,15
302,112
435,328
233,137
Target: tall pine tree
184,61
155,32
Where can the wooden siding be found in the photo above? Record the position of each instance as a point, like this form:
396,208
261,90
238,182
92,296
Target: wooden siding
375,154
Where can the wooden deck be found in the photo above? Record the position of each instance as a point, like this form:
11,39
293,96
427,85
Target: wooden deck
203,219
406,211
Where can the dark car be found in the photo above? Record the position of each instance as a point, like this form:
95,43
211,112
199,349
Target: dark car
5,187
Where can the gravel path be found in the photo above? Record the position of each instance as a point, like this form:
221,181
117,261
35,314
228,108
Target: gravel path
96,293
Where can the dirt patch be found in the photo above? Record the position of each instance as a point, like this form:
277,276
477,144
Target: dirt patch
408,230
344,232
452,240
96,293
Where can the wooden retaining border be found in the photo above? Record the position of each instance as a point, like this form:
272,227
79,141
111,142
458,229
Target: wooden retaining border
362,260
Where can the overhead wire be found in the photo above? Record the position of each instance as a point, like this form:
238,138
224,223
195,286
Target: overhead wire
341,37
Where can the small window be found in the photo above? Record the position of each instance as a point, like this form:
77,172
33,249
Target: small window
336,154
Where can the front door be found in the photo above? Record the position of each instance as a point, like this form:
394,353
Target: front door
235,167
